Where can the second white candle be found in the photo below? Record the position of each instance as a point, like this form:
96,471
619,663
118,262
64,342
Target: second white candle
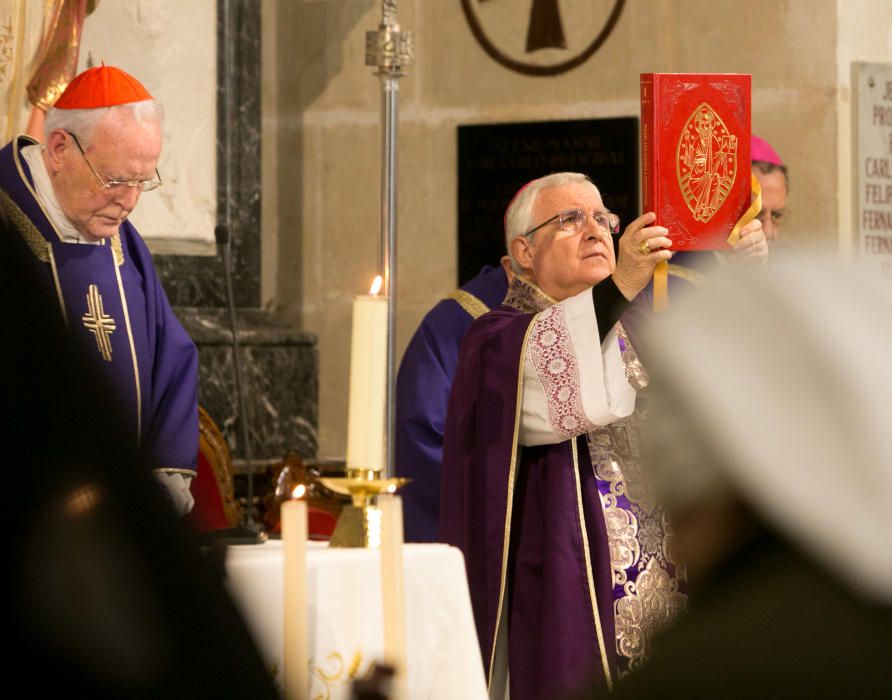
368,376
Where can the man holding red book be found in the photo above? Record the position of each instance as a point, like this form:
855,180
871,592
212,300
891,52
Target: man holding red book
567,555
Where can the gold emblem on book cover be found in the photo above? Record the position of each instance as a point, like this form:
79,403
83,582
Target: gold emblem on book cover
706,162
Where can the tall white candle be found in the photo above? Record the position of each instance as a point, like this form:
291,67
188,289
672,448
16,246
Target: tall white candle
392,588
368,377
296,648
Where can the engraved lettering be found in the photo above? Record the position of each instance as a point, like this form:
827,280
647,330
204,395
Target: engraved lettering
873,220
877,167
878,245
882,115
877,194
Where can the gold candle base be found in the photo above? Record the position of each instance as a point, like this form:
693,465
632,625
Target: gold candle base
359,525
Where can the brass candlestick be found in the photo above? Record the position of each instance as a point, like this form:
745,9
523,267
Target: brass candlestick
359,524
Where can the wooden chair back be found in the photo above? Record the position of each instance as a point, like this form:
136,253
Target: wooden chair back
213,487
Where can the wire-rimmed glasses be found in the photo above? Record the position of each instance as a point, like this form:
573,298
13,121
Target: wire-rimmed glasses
143,185
574,221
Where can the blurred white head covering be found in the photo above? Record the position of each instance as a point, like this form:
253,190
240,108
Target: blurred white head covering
776,383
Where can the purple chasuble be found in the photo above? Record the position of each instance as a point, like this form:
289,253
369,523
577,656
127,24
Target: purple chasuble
541,502
422,395
115,307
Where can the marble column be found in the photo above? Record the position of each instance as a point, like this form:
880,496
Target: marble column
279,362
279,370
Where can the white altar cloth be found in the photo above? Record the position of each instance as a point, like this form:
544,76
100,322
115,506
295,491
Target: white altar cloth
345,619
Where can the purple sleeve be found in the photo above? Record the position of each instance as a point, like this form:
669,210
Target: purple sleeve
172,431
422,396
170,411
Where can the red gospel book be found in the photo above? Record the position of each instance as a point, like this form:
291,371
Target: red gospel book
695,155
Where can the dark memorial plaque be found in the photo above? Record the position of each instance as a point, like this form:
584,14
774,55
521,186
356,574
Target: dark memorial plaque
495,160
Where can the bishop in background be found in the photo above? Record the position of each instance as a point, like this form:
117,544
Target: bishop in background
69,199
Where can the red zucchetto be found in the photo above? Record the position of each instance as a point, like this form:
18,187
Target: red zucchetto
102,86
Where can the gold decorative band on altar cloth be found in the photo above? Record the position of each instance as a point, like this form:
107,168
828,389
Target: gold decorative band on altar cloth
335,675
750,213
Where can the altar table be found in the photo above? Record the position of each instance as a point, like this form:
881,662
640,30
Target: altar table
345,618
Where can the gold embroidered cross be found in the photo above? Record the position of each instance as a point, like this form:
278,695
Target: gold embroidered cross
98,323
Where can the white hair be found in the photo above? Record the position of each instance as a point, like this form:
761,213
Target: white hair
519,215
83,122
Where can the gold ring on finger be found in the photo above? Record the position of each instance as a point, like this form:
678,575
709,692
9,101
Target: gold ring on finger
644,247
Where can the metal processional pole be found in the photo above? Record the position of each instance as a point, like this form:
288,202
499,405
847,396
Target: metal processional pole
390,50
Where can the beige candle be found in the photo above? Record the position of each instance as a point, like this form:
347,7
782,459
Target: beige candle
295,656
392,585
368,376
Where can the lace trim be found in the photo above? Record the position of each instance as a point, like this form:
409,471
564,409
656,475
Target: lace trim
650,603
551,354
648,585
636,374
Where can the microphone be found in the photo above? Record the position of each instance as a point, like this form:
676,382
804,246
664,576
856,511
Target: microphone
221,233
224,248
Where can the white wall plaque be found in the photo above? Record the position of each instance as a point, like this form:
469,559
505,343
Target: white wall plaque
171,47
872,165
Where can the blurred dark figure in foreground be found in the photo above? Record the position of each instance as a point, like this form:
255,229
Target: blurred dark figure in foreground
104,596
776,473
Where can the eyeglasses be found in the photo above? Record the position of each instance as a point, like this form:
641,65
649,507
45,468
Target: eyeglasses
143,185
574,220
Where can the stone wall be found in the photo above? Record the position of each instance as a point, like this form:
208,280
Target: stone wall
325,122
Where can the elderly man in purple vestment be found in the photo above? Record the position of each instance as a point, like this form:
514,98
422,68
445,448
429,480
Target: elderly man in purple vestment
568,561
69,198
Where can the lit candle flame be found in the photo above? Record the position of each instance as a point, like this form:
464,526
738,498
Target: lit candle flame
391,488
376,285
299,491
